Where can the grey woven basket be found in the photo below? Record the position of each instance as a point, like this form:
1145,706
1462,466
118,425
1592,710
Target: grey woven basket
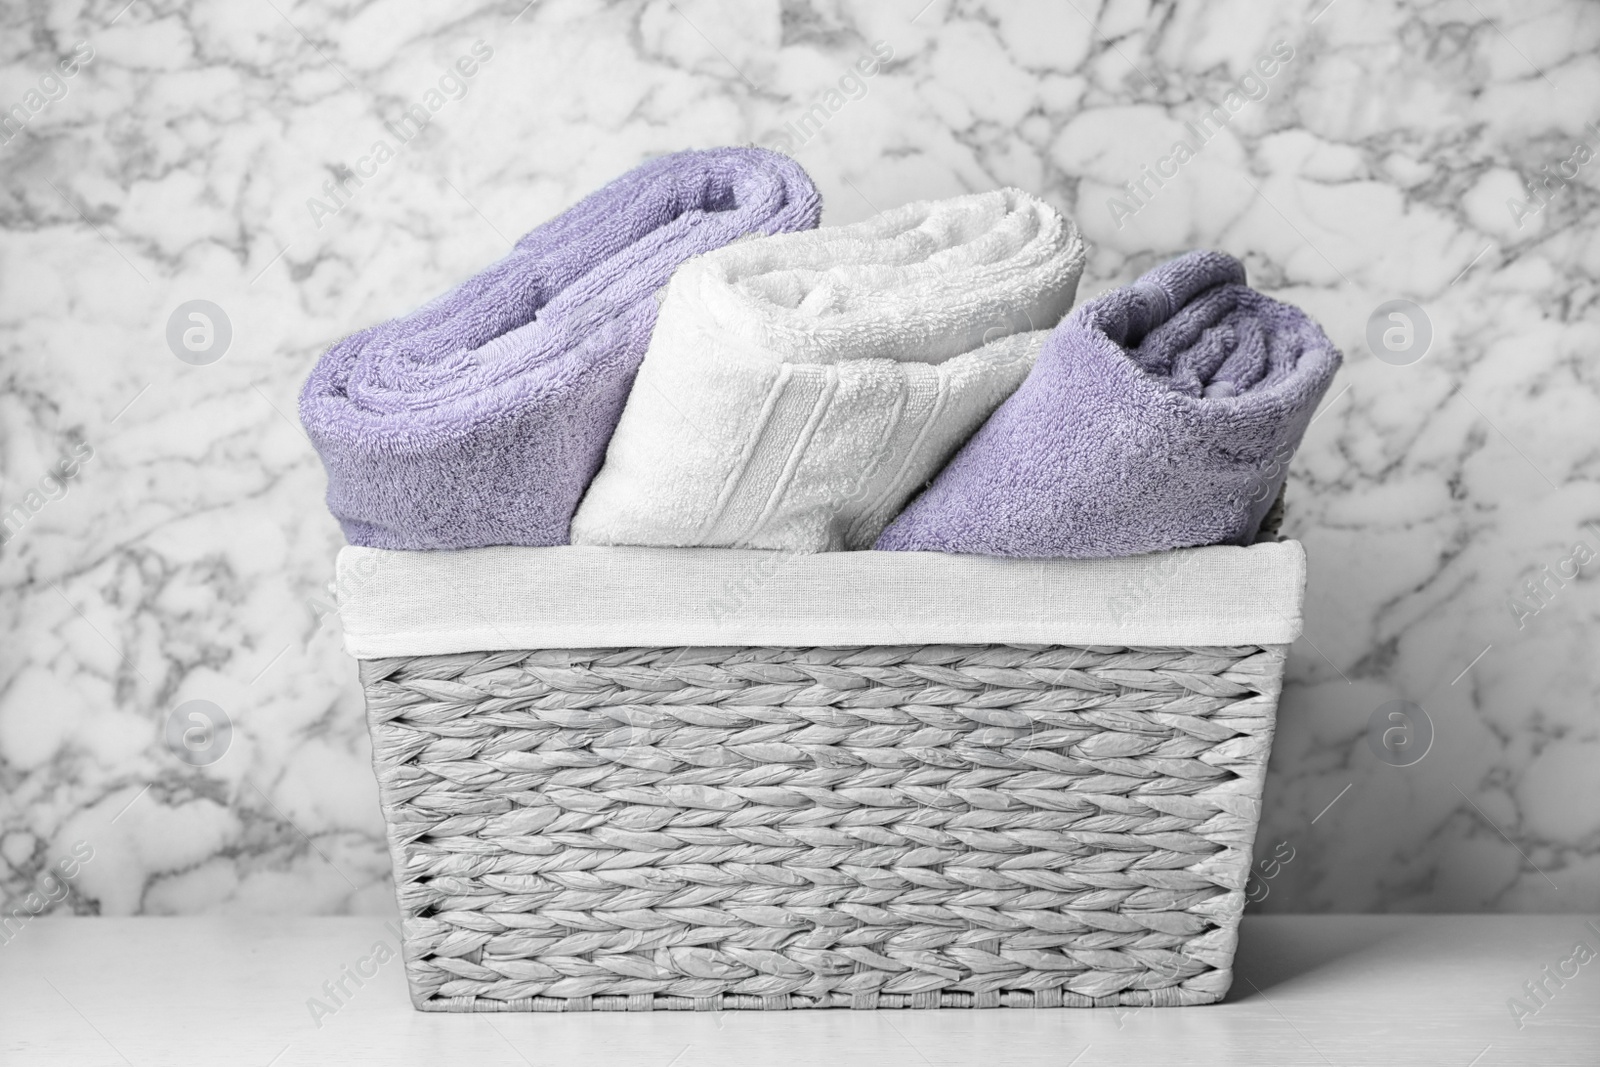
869,827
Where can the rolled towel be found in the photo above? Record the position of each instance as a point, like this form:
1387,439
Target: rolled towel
480,418
800,388
1159,415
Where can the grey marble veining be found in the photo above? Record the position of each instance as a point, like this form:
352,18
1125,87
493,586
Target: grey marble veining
230,153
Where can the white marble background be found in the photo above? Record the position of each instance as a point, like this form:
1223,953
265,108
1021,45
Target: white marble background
186,558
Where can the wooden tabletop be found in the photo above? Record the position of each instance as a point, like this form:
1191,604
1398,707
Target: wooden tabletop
1320,990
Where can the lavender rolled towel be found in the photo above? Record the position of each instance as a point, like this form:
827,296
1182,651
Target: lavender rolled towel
480,418
1159,415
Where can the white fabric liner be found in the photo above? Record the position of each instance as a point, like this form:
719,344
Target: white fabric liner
395,603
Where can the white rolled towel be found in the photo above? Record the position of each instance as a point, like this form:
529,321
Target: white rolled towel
800,388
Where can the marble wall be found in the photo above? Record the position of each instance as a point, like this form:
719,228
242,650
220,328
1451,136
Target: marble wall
172,547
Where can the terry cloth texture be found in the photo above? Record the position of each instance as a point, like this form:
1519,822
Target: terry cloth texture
800,388
480,418
1159,415
493,599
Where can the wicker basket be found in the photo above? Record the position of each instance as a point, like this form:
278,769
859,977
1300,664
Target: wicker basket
874,826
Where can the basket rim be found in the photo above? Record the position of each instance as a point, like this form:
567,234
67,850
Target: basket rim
406,603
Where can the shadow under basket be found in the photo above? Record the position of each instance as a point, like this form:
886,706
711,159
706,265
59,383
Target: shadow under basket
1055,811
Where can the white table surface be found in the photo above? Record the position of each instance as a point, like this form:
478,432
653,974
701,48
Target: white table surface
1307,990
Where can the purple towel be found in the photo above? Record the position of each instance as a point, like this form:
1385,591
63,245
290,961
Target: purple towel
480,418
1159,415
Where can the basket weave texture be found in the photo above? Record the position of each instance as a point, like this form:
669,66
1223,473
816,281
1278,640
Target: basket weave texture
886,827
